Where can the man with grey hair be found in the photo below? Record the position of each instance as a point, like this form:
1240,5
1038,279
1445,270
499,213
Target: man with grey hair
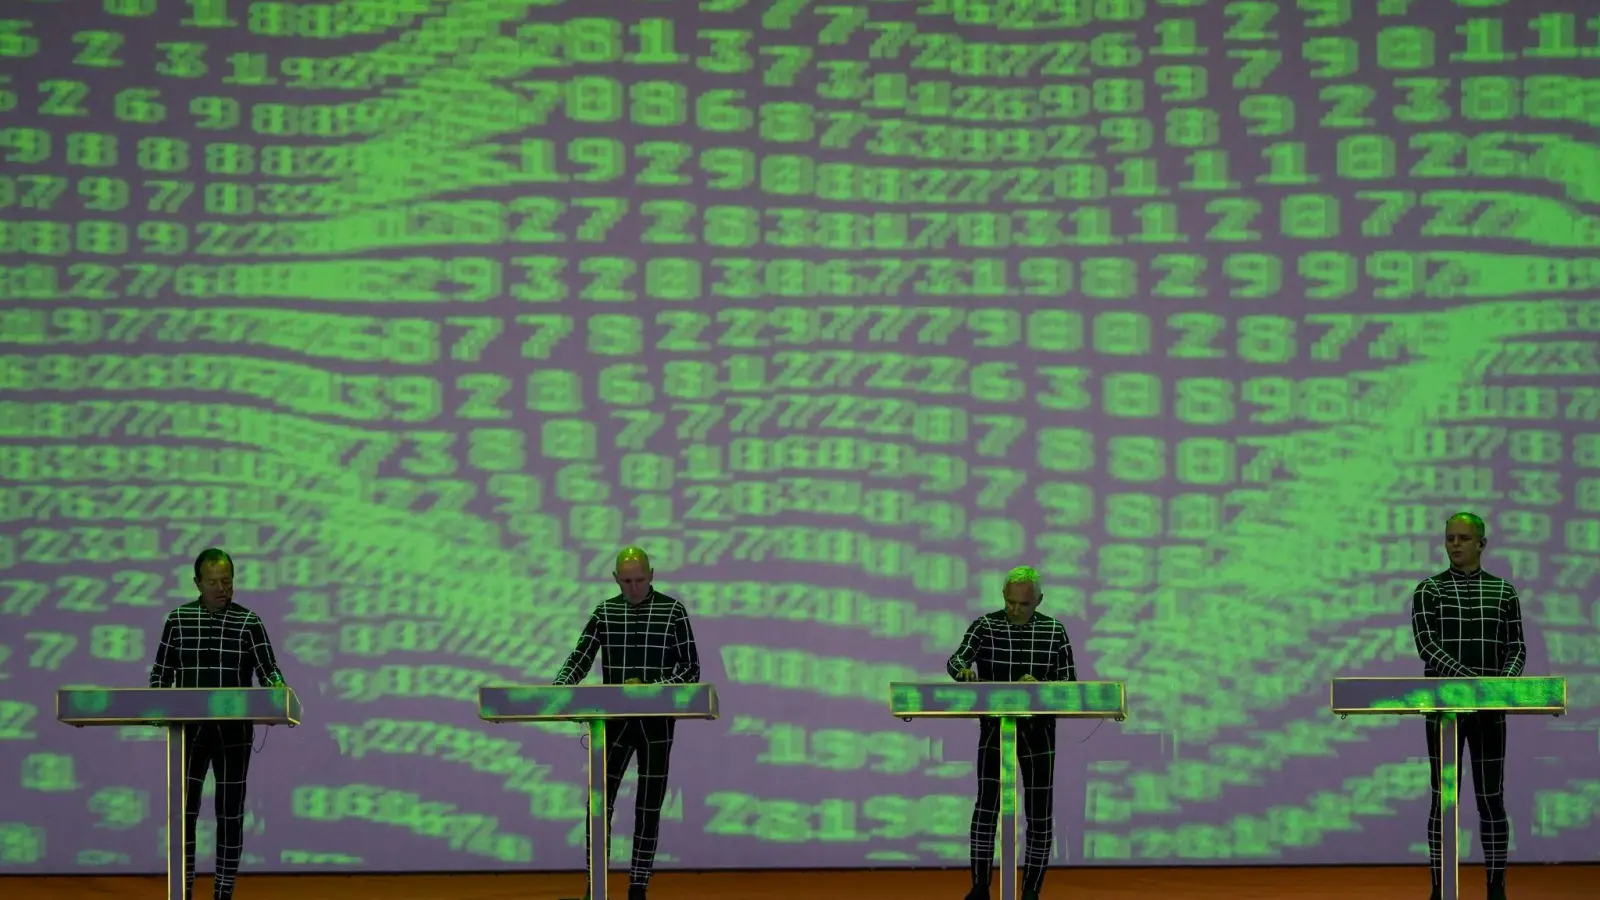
1468,623
1015,644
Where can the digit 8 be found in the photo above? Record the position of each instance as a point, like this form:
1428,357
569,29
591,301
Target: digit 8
945,816
1266,339
659,103
784,821
411,340
268,20
1535,447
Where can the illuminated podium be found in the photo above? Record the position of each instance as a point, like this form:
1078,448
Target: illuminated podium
175,708
1448,697
594,704
1007,701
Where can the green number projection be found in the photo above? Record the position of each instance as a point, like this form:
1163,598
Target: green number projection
1212,311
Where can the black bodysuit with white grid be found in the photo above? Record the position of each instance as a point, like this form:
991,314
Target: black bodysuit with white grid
202,649
997,650
1465,625
653,643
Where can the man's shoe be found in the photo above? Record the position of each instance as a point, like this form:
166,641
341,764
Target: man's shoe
1030,895
1435,895
636,892
978,892
1497,890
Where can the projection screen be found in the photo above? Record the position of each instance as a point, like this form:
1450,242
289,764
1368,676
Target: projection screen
1212,311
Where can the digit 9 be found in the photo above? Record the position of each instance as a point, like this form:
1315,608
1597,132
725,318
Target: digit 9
1272,114
484,277
1184,84
900,752
163,238
1335,272
77,326
215,113
418,398
730,168
995,327
839,749
25,145
604,157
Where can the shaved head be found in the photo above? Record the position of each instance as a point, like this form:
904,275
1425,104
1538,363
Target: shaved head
633,575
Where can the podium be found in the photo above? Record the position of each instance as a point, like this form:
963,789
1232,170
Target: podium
1008,701
174,708
1448,698
595,705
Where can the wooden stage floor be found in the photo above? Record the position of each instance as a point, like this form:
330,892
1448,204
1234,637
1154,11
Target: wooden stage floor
1387,883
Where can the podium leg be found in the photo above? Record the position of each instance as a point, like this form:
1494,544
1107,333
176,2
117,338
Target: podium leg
1449,809
1008,808
177,800
599,837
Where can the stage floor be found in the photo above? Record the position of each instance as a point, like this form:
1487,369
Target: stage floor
1410,883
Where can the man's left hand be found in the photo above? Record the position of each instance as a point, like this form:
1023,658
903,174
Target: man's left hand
1027,678
633,681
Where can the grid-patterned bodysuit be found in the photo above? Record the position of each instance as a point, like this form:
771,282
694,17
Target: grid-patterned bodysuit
999,651
653,643
1465,625
200,648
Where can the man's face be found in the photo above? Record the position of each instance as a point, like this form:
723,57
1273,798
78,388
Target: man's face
1020,602
634,578
215,584
1461,541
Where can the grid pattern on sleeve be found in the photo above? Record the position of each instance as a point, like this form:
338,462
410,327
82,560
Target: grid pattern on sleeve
651,642
1000,651
202,649
1467,625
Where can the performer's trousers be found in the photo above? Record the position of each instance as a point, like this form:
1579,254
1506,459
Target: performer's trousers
1484,734
224,749
651,741
1036,760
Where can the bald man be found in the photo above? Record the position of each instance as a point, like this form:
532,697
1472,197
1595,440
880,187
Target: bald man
1015,644
643,637
1468,623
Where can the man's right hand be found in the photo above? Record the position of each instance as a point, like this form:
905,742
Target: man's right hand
966,675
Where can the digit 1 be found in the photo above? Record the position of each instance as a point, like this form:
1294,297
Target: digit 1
1485,41
1558,36
1178,38
248,69
1288,164
1158,223
704,462
209,14
658,40
786,746
838,818
1138,178
539,161
1093,224
989,277
1210,169
888,91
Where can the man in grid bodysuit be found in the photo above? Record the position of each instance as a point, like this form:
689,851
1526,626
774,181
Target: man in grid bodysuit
214,642
1015,644
643,637
1468,623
